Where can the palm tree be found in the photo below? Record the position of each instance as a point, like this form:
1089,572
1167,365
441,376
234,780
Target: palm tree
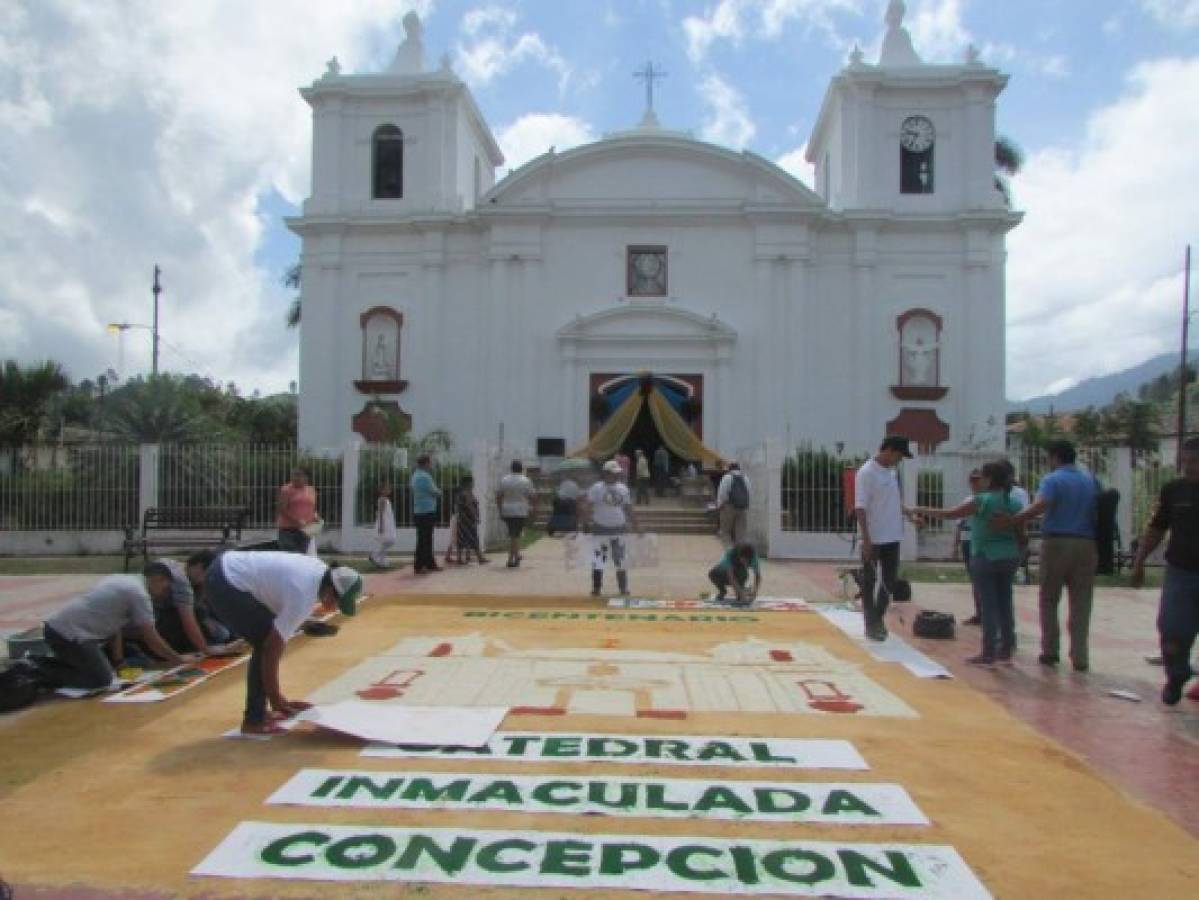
291,279
1009,159
159,410
25,396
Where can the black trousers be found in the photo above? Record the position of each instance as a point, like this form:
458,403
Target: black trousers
252,621
77,664
423,559
877,591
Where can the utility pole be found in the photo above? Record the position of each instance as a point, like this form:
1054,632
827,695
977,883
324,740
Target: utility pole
1182,373
157,289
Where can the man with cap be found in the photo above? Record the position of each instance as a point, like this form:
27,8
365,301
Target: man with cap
265,597
880,514
608,509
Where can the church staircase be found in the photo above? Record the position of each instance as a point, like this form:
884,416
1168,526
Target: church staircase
663,515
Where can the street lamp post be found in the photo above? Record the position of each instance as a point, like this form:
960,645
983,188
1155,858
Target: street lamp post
156,290
119,329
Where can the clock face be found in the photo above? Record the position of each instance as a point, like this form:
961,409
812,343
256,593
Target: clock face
917,134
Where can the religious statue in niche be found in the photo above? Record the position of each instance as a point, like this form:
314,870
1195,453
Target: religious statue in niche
919,356
381,327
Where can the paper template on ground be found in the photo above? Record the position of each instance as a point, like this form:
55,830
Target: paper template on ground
745,675
672,750
767,604
893,649
669,798
428,725
584,551
597,861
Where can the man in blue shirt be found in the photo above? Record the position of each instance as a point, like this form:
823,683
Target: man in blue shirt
1067,497
425,495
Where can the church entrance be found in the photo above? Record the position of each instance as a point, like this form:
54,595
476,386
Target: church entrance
645,411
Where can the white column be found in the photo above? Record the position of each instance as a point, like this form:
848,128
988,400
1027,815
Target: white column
147,478
349,495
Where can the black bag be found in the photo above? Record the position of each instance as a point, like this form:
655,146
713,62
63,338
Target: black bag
932,624
18,689
738,492
902,592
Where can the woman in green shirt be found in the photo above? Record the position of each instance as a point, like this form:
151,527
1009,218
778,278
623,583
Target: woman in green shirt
994,558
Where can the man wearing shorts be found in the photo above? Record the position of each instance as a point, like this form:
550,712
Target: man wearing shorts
516,499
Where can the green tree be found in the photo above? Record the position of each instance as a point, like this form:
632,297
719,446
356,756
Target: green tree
160,409
1138,422
1087,424
1009,160
291,279
26,393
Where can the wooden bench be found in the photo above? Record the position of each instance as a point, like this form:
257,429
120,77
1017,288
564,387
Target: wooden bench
163,528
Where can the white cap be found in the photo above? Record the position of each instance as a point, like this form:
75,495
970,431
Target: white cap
613,467
348,585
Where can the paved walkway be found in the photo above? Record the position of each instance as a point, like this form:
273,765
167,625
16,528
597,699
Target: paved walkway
1148,749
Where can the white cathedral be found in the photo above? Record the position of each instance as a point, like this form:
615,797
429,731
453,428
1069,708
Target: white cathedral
737,303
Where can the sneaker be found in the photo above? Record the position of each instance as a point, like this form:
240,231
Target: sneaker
877,632
1172,692
973,620
981,660
1047,659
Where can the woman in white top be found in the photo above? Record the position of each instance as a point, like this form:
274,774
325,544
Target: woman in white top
385,526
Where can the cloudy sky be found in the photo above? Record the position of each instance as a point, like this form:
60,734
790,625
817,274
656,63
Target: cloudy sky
136,132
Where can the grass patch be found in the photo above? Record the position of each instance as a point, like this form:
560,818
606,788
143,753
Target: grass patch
955,573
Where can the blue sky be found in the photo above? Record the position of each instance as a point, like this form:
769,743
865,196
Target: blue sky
198,146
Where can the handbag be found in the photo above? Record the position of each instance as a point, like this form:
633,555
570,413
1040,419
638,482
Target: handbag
935,625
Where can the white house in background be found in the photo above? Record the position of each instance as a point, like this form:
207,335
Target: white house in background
762,309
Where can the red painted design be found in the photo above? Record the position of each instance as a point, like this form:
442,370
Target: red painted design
920,425
391,686
782,656
827,697
442,650
661,714
538,711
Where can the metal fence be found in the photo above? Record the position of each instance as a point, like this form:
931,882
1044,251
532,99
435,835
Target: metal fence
77,487
817,490
392,465
246,476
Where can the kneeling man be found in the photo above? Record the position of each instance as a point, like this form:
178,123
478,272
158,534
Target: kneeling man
265,597
78,632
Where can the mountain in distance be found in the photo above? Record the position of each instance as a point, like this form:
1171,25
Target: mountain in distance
1101,391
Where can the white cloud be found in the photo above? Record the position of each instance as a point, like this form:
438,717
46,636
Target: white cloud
732,20
727,121
937,30
795,165
1173,13
492,48
135,133
533,134
1095,271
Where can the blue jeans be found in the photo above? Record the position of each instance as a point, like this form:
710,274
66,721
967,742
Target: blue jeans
992,580
250,619
1178,621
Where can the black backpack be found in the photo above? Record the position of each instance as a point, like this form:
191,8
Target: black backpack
932,624
18,688
738,492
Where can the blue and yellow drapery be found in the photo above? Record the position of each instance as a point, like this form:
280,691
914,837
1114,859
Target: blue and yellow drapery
675,433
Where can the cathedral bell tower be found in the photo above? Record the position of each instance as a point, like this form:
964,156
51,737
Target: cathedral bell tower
904,136
406,141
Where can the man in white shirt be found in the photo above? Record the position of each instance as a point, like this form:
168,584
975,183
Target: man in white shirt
265,597
516,498
608,508
880,514
732,506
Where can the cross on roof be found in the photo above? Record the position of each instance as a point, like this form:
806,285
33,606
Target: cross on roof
649,75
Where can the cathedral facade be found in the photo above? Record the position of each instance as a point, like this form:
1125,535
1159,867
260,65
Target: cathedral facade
532,307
